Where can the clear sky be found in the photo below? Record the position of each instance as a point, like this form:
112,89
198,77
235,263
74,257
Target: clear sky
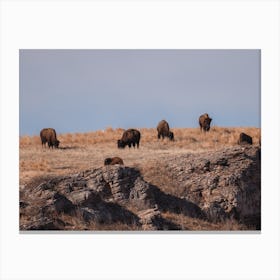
87,90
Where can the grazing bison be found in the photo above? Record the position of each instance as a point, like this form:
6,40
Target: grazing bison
204,122
113,160
48,135
129,137
163,130
245,139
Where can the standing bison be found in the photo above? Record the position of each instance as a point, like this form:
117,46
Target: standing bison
204,122
163,130
129,137
48,135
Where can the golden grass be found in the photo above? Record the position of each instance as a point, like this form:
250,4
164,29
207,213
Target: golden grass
76,222
192,137
81,151
188,223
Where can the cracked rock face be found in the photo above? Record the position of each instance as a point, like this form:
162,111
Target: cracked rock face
225,183
213,186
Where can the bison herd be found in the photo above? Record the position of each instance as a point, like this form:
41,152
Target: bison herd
131,137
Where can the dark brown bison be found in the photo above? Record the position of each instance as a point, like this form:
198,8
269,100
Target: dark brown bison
113,160
204,122
48,135
129,137
163,130
245,139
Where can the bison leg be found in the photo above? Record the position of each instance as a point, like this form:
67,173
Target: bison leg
43,141
158,136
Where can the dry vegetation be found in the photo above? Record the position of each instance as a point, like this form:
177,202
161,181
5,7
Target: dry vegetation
81,151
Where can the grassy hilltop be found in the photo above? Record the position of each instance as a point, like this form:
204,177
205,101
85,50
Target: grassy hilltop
88,150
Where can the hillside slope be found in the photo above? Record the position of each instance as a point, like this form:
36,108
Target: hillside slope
215,190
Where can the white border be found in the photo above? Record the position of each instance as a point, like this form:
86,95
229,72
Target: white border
144,24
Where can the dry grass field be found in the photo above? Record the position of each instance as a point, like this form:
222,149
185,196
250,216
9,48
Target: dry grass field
82,151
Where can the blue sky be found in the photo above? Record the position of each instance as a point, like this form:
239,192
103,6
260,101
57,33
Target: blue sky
87,90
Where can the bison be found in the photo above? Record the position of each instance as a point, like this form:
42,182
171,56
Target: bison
204,122
113,160
244,139
129,137
48,135
163,130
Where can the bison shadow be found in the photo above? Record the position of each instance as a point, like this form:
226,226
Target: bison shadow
69,148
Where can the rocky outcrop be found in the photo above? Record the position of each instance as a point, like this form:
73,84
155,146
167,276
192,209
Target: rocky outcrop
210,186
224,184
101,196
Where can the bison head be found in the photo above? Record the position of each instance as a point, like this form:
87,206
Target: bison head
121,144
56,143
107,161
206,124
171,136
